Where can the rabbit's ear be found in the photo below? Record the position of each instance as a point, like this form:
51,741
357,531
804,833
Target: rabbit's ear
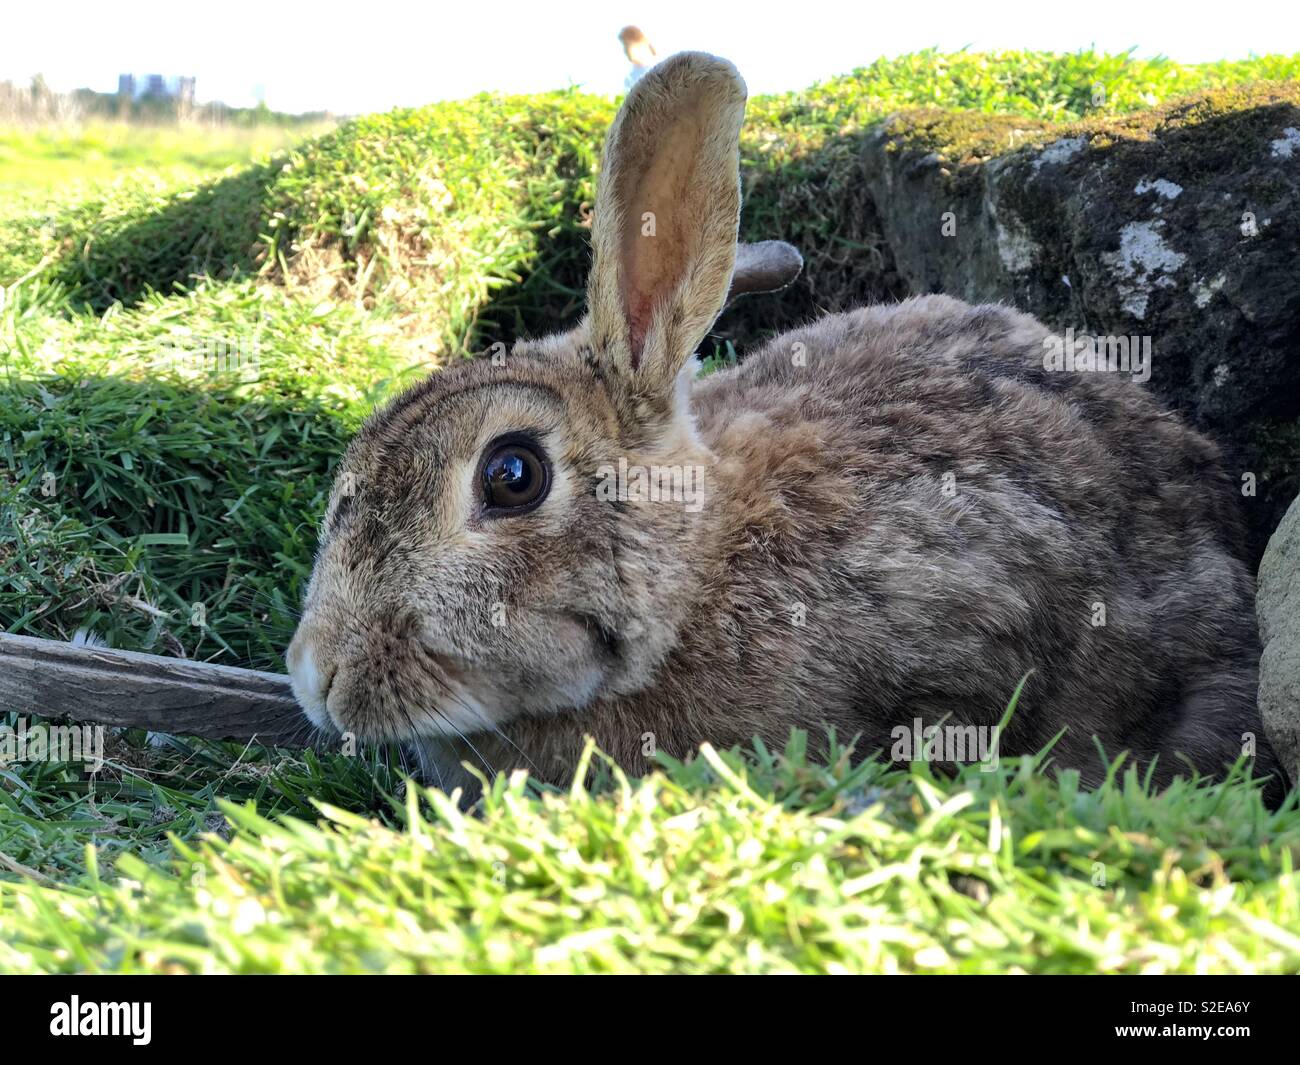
768,266
667,212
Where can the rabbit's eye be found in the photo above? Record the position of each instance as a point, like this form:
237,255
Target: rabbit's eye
516,477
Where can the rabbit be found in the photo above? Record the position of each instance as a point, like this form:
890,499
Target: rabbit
888,515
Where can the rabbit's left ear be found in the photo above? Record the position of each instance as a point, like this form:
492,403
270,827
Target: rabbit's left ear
768,266
666,217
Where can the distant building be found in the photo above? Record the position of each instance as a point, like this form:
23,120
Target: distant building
156,87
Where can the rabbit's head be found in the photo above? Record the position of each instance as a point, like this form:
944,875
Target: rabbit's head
482,555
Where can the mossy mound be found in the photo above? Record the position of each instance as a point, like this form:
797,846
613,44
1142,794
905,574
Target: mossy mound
441,208
472,214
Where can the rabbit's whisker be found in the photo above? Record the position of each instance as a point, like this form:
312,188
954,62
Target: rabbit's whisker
466,741
492,728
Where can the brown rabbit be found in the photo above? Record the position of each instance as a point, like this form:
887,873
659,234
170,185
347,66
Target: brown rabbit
887,515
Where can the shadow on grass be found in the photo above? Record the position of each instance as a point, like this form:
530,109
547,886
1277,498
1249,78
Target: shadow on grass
166,517
212,230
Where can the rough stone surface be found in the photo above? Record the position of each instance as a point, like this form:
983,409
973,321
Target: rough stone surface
1180,225
1278,605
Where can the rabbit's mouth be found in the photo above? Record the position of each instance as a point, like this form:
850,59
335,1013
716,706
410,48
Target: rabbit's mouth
405,693
605,640
415,702
398,678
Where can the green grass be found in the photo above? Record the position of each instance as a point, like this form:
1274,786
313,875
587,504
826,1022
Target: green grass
130,477
136,483
49,160
757,863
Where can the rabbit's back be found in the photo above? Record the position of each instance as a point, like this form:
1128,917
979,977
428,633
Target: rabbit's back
971,516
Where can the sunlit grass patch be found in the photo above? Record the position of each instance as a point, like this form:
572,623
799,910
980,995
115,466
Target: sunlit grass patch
765,862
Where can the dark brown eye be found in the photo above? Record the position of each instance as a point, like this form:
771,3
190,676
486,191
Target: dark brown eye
516,477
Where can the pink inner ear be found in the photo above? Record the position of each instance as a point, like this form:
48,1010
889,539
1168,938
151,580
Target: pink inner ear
653,264
638,310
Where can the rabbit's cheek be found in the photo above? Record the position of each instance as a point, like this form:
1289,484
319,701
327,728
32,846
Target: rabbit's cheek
571,687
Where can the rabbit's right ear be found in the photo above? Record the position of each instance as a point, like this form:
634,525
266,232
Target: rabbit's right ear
666,217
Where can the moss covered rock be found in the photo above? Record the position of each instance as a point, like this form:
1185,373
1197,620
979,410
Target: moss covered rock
1178,228
1278,606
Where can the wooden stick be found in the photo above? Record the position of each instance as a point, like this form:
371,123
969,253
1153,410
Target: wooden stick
95,684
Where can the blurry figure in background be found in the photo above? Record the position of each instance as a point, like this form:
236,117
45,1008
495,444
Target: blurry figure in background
639,51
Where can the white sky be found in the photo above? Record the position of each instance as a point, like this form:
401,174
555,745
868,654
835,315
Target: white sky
370,55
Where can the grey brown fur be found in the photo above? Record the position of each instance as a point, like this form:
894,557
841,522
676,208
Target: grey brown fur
904,514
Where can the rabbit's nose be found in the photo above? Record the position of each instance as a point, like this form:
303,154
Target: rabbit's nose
308,677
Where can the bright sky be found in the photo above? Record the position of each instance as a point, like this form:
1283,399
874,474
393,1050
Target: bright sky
370,55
